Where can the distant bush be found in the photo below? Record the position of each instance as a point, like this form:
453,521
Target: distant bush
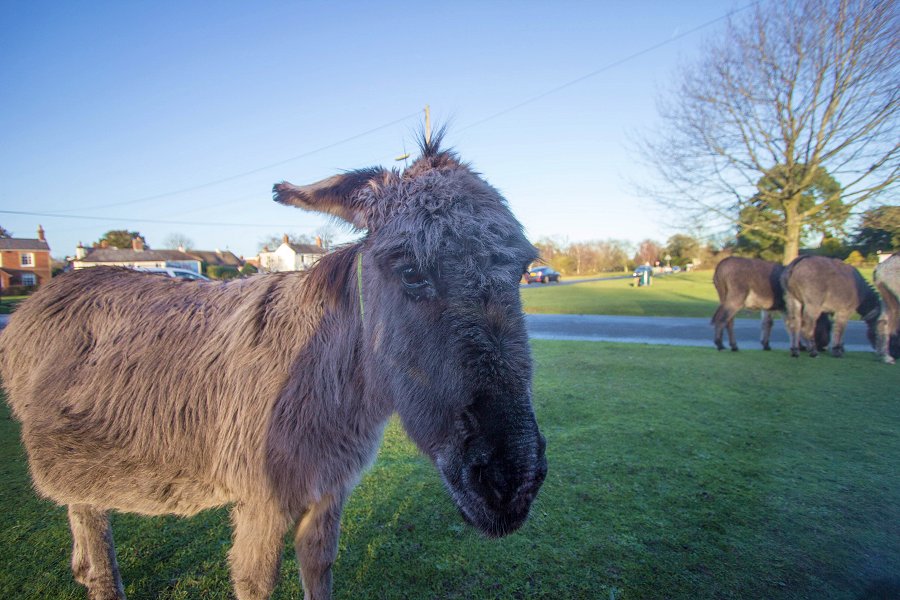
248,269
18,290
855,258
222,272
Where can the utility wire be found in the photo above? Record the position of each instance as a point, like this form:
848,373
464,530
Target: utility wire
245,173
607,67
137,220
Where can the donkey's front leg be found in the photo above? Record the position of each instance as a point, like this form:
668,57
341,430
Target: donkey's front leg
93,554
255,556
316,543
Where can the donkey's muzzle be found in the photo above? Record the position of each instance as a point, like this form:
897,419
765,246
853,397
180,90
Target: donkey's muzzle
506,485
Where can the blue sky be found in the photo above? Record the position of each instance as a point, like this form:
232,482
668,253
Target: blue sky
122,114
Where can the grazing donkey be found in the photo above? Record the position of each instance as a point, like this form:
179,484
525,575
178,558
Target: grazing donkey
755,284
149,395
814,285
887,280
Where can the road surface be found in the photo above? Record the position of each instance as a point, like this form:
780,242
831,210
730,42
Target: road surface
671,331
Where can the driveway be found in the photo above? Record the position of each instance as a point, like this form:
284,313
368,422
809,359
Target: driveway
672,331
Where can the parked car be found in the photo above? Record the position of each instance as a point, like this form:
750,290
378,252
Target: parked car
541,275
641,269
173,272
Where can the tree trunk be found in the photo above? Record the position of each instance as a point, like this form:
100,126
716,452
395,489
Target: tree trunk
791,233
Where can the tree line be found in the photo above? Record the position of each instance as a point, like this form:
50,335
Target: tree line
877,231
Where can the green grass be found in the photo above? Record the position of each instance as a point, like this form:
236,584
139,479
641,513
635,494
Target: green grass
9,303
674,473
682,295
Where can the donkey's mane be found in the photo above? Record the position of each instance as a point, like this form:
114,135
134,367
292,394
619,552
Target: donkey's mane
868,296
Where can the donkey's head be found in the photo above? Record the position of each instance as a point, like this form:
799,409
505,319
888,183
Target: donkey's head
443,335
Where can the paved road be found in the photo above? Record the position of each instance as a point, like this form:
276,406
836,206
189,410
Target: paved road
673,331
565,281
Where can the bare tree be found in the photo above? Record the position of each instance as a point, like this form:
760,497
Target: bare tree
178,240
787,93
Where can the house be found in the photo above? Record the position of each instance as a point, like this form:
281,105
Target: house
24,262
217,258
291,257
136,256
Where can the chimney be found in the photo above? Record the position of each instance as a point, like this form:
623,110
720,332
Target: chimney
137,244
319,241
80,252
41,234
285,239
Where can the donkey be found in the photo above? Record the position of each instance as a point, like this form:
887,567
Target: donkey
149,395
755,284
814,285
887,280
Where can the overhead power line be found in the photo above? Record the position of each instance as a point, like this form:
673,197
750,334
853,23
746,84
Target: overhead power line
137,219
207,184
607,67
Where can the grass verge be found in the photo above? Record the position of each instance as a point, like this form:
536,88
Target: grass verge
682,295
673,474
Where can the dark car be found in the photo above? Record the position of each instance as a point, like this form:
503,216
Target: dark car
641,269
541,275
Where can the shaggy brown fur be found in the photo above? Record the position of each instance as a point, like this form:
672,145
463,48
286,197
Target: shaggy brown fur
814,285
155,396
887,280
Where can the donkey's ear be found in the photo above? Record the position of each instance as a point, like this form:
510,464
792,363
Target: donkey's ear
341,195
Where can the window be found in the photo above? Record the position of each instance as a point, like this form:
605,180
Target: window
29,279
27,259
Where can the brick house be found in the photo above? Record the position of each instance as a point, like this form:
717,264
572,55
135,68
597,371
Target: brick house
24,262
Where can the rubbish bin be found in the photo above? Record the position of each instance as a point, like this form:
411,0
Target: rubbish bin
646,277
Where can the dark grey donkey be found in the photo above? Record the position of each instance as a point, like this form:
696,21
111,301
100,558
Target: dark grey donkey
887,280
814,285
755,284
149,395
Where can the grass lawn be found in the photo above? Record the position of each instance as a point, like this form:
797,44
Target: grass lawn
674,473
682,295
8,303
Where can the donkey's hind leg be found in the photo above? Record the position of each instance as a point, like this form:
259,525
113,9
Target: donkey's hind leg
724,319
93,553
837,334
765,329
808,327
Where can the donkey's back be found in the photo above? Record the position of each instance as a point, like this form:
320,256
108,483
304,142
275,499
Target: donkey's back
124,388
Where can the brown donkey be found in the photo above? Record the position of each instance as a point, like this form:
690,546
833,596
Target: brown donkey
887,280
816,285
298,375
755,284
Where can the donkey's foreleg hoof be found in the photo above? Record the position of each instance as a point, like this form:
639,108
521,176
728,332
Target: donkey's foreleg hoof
837,351
767,347
813,353
734,348
720,346
888,359
795,352
106,593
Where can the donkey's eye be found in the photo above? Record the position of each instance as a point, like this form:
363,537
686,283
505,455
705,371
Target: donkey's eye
413,279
